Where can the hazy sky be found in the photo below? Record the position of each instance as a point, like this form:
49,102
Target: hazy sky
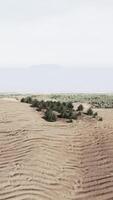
73,38
55,78
65,32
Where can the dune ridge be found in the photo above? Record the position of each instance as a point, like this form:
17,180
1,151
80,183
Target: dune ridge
51,161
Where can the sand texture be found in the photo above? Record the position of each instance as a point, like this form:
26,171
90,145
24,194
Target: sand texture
54,161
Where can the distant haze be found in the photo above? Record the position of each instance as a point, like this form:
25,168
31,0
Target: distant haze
67,43
54,78
64,32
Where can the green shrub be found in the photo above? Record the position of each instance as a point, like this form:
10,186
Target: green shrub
80,107
22,100
28,100
63,109
69,105
63,114
50,116
34,103
67,114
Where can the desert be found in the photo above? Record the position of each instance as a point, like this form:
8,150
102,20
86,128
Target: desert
54,160
56,99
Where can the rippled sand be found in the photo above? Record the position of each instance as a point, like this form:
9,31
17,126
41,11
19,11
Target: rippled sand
54,161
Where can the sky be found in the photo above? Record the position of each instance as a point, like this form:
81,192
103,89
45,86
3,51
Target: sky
56,79
54,35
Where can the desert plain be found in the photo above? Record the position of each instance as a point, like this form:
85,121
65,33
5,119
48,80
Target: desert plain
40,160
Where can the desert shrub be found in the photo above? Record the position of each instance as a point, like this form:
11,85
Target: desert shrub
64,103
80,107
42,104
28,100
67,114
63,114
47,104
69,105
58,103
55,107
50,116
66,110
52,106
34,103
89,111
61,108
22,100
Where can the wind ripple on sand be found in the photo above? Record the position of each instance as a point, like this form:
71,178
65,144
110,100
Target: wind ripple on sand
44,161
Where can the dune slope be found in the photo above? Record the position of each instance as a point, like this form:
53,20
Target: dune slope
51,161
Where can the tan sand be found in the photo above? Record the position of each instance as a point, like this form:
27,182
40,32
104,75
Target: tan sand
54,161
9,99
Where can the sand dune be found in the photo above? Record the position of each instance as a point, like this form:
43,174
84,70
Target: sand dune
54,161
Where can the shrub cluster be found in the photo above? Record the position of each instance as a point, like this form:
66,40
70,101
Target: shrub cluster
56,109
53,109
26,100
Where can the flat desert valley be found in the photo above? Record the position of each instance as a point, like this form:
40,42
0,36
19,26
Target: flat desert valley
40,160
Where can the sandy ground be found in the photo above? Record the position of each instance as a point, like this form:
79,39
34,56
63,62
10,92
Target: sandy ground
9,99
54,161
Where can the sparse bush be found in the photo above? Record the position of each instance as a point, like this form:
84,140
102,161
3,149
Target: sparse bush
63,109
50,116
28,100
67,114
22,100
80,107
34,103
69,105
